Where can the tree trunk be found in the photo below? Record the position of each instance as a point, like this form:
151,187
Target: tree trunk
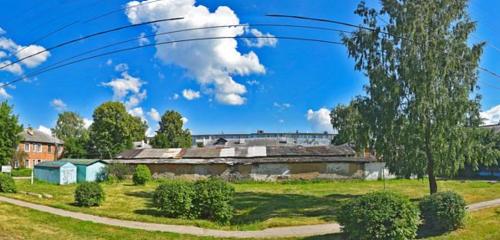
432,178
430,160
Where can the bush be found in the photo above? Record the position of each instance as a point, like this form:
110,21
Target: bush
213,200
174,199
117,171
379,215
7,184
21,172
89,194
444,211
141,175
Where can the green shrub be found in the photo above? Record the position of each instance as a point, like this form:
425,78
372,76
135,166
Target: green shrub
379,215
141,175
213,200
444,211
21,172
117,171
174,199
89,194
7,184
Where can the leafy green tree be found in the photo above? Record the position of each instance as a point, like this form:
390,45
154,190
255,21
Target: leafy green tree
69,124
421,104
114,130
348,121
71,129
171,133
9,133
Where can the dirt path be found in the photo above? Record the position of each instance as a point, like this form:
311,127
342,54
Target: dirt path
297,231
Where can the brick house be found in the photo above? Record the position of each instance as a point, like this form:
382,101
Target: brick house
39,147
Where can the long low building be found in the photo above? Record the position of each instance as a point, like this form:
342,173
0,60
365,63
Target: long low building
257,163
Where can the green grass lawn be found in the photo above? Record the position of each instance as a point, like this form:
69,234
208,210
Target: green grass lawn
21,223
258,205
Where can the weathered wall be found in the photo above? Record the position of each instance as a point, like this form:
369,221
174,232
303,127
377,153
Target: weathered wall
376,171
50,175
264,171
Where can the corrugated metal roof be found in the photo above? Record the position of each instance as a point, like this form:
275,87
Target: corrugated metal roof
260,151
202,153
52,164
341,150
85,162
238,152
151,153
33,135
233,161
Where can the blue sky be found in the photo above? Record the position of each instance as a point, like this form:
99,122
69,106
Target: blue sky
218,86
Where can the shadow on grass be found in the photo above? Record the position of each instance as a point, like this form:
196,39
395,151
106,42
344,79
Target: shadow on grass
427,232
254,207
336,236
140,194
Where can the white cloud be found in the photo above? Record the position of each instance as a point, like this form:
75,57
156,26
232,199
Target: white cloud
154,114
184,120
87,122
150,132
266,40
45,130
109,62
143,40
4,94
212,63
124,85
175,96
137,112
135,99
320,119
128,90
9,48
122,67
2,31
491,116
253,82
14,68
282,106
33,61
58,104
190,94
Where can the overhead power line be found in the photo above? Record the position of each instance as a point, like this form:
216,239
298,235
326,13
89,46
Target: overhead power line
119,10
45,36
192,29
332,21
199,28
165,43
90,36
360,27
91,19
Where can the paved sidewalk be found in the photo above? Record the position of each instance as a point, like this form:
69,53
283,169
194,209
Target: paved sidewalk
297,231
480,205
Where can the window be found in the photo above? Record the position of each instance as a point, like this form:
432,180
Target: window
26,163
27,147
50,148
37,147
